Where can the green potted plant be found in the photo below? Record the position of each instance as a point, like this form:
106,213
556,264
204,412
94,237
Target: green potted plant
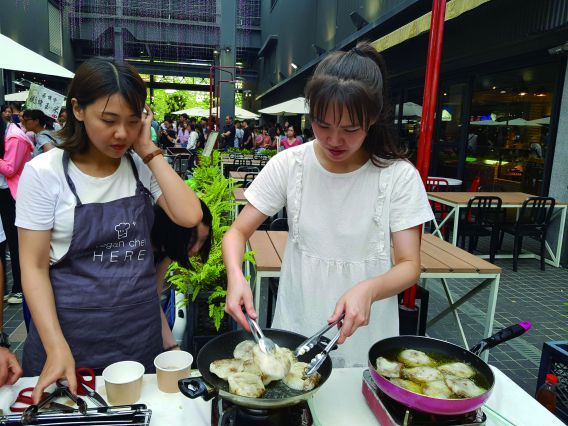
205,284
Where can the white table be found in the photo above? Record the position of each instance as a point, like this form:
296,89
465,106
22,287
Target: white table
451,181
167,408
338,403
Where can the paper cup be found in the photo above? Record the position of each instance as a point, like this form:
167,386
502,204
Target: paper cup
123,382
172,366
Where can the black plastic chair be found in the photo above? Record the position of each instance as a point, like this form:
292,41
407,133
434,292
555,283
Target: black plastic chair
533,220
249,177
248,169
242,162
481,219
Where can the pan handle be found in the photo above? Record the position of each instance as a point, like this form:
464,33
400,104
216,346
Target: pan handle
501,336
194,387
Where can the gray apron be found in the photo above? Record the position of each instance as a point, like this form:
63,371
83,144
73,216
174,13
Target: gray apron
105,286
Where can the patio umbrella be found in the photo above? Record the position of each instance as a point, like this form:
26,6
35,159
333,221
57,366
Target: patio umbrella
293,106
487,123
543,120
521,122
194,112
409,109
243,114
14,56
21,97
17,97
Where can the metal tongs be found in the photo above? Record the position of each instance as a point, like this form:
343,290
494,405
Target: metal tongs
309,344
28,416
266,345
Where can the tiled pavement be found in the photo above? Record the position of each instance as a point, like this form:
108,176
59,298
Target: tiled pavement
529,294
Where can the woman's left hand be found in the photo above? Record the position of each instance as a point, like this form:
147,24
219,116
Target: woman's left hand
143,144
356,305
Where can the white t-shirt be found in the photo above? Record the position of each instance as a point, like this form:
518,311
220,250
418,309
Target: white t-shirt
340,234
46,202
192,143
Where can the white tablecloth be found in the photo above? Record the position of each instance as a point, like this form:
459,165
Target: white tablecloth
338,403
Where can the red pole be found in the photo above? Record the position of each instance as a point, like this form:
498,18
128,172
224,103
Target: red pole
431,81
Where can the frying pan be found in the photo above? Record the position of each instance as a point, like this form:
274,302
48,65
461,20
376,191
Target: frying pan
277,394
485,378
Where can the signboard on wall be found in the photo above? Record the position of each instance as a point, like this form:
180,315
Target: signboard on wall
211,139
46,100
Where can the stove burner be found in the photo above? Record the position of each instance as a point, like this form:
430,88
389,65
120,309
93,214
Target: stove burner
392,413
225,413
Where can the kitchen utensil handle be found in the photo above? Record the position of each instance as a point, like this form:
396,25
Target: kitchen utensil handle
502,336
195,387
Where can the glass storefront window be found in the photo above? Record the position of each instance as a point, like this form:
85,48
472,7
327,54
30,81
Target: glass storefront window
411,115
508,130
446,146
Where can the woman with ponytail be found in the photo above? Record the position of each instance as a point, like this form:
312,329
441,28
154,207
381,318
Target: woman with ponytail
349,194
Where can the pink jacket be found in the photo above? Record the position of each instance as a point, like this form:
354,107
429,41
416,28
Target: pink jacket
18,151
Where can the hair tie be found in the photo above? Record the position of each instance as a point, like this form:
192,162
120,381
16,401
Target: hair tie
358,51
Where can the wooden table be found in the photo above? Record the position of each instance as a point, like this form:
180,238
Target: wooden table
510,200
439,261
240,200
240,176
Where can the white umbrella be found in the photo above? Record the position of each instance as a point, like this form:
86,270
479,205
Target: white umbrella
20,97
14,56
543,120
409,109
243,114
17,97
293,106
487,123
194,112
521,122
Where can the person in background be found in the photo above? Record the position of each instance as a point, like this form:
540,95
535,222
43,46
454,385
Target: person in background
238,135
204,127
308,135
84,216
16,110
248,137
62,119
183,134
352,187
10,370
263,140
37,122
291,139
6,112
15,152
174,243
228,135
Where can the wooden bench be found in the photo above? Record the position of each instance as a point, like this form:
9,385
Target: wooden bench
439,261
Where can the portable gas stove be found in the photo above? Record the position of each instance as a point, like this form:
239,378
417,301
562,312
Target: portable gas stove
392,413
225,413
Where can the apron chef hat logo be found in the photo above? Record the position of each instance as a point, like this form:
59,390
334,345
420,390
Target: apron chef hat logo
122,230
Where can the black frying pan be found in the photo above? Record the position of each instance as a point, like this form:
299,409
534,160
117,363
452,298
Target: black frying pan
277,394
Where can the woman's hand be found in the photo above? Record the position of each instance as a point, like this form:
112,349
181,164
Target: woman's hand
239,294
10,370
143,144
356,304
59,364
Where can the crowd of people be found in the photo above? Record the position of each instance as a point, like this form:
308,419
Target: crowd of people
191,133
